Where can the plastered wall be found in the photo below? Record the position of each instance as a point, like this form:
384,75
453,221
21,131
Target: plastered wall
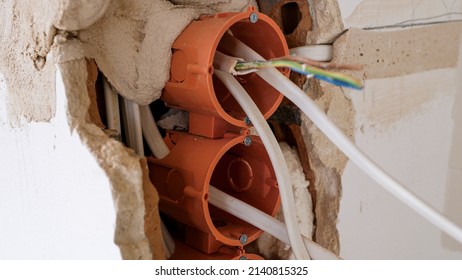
56,201
407,120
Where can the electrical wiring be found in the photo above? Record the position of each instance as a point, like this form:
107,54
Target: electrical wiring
139,122
322,121
276,157
323,65
135,136
264,222
160,150
151,133
315,53
112,107
334,78
226,202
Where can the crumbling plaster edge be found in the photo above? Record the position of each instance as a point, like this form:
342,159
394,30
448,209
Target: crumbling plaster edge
126,171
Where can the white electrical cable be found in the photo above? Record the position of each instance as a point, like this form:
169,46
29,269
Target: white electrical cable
277,159
248,213
135,135
228,203
151,133
322,121
263,221
317,52
111,100
160,150
137,121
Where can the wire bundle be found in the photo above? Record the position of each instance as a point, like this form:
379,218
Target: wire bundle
322,121
303,67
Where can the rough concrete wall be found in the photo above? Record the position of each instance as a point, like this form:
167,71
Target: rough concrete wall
326,161
327,23
25,40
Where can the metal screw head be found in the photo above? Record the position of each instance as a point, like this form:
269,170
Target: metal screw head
243,258
247,121
243,239
247,141
253,17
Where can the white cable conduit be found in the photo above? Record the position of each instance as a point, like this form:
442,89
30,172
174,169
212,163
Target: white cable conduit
320,119
151,133
160,150
263,221
248,213
111,100
139,119
228,203
317,52
135,136
276,157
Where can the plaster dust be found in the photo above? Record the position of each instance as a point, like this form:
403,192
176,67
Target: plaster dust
268,245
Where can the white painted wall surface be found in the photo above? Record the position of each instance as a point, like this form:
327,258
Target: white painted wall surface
415,146
375,225
55,201
376,13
